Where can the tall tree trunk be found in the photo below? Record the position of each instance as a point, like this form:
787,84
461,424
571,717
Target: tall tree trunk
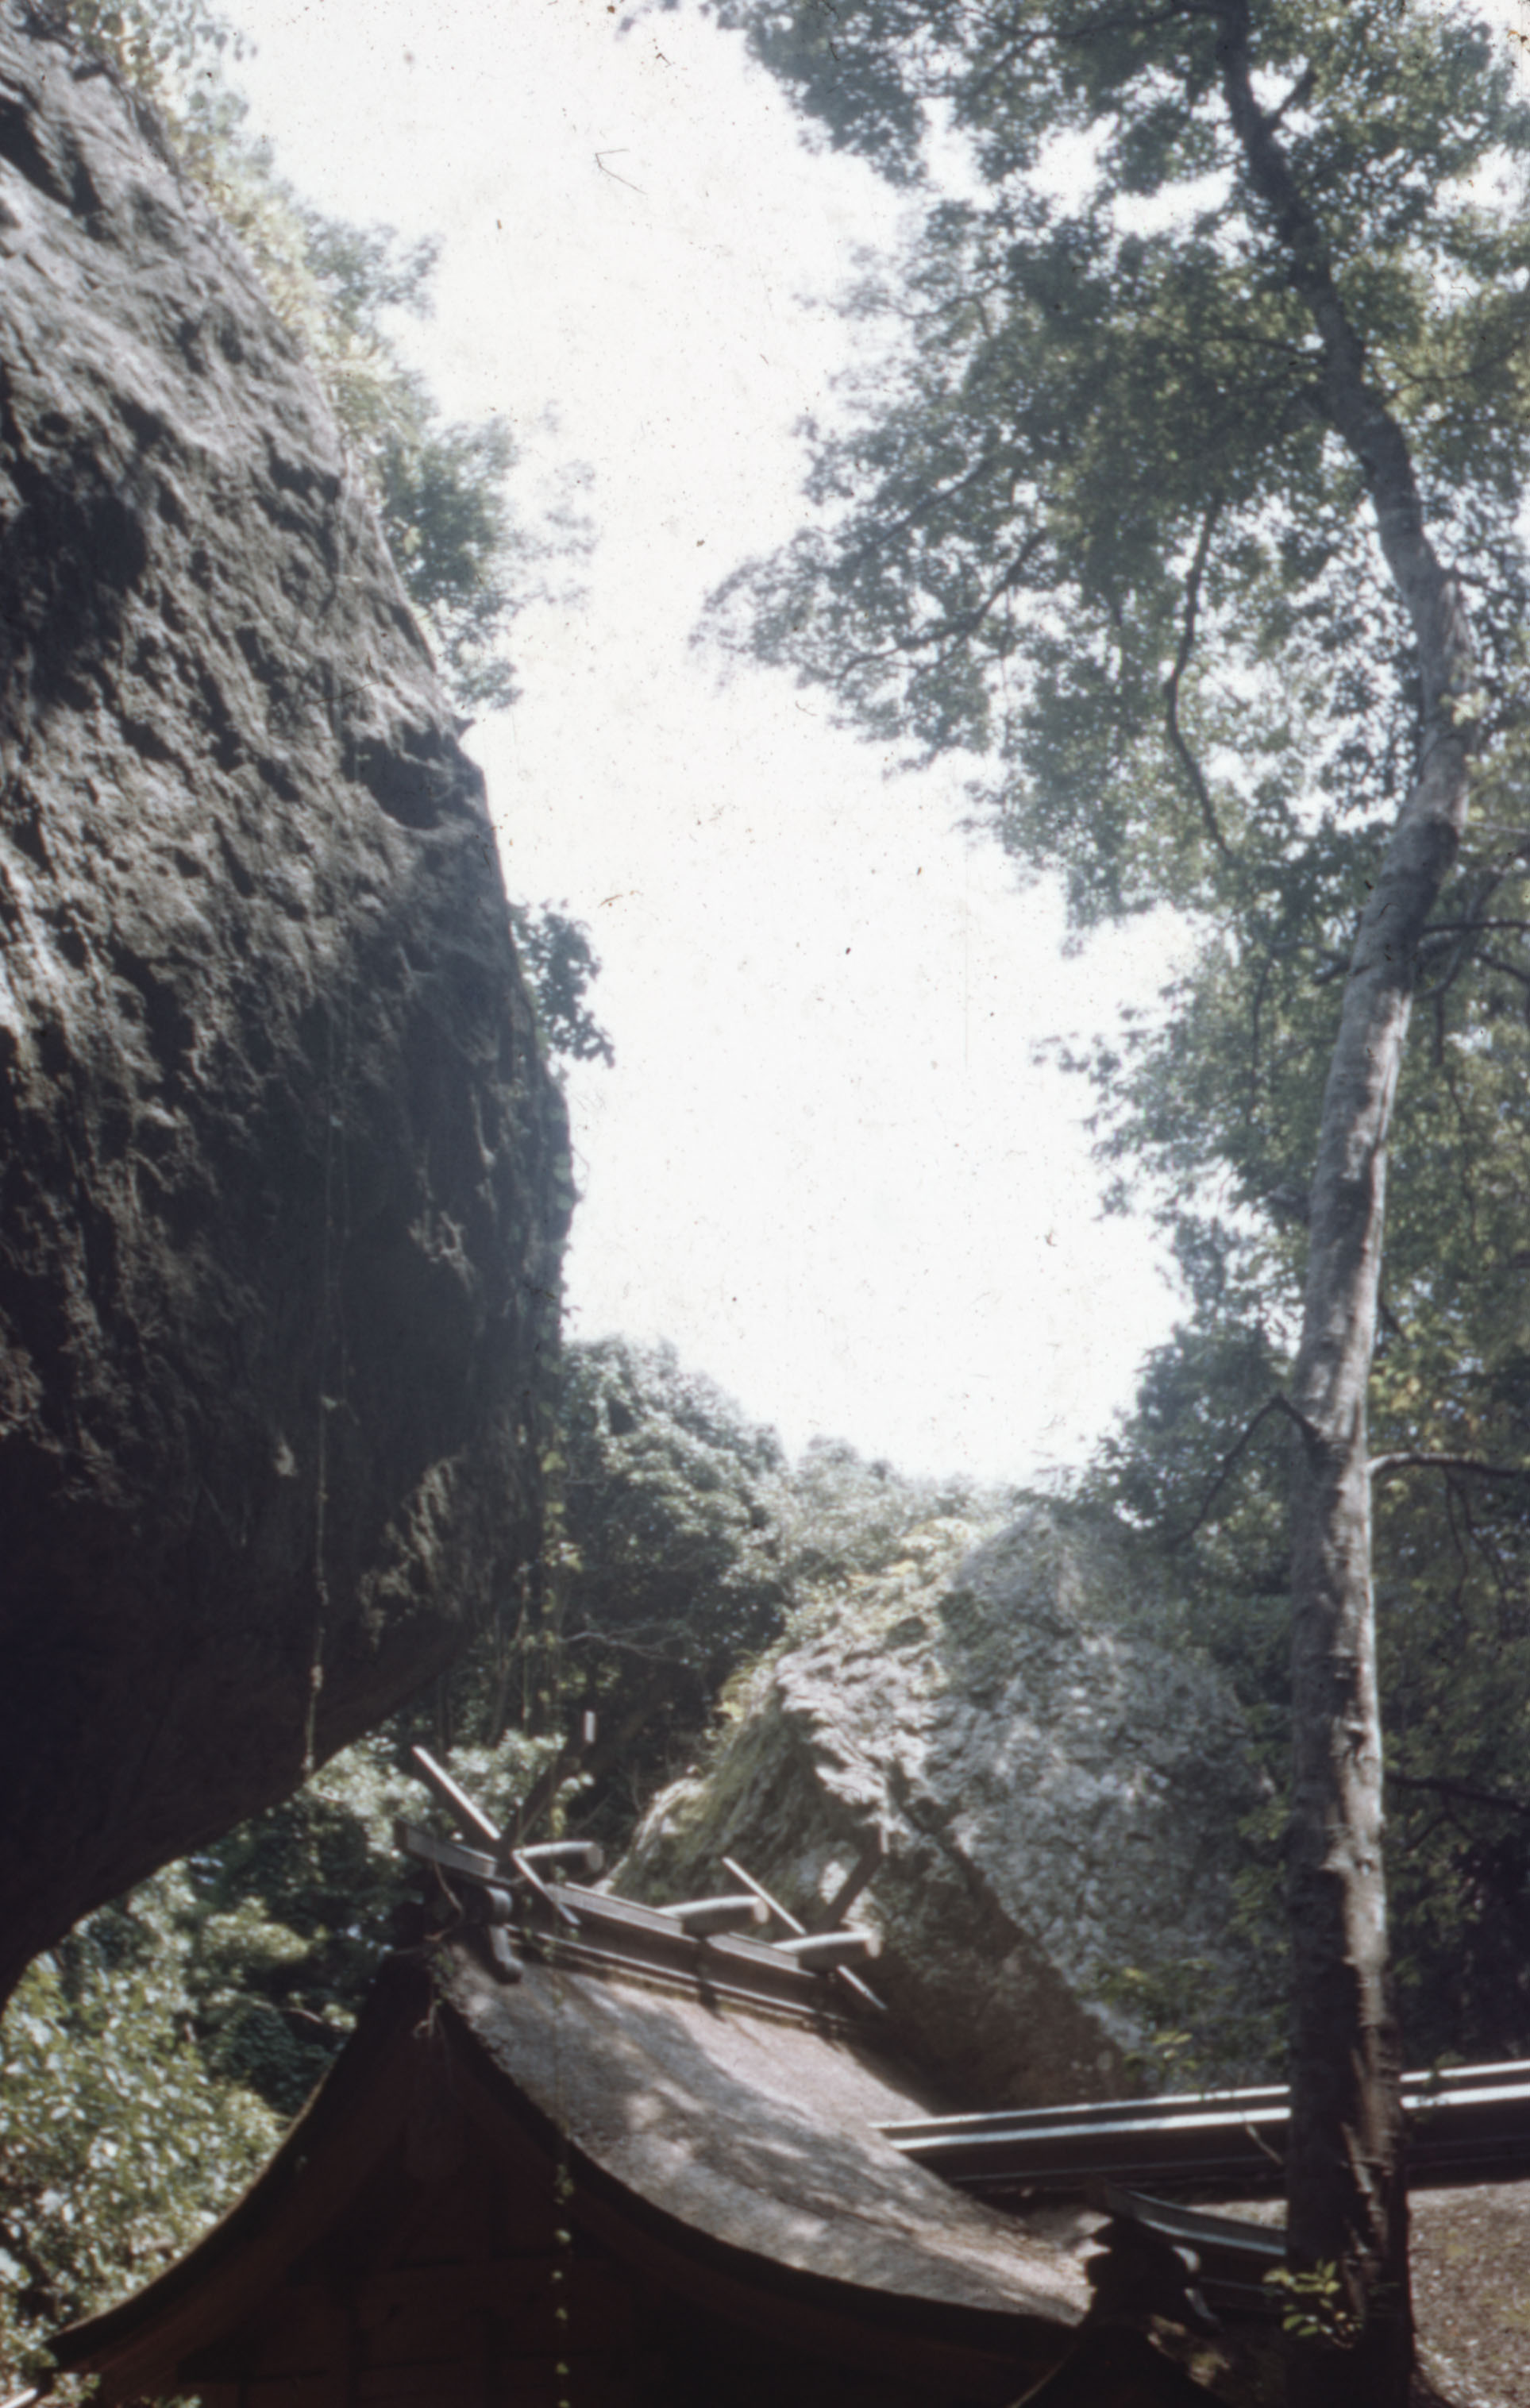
1346,2178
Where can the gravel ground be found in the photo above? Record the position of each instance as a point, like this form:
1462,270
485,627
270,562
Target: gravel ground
1471,2292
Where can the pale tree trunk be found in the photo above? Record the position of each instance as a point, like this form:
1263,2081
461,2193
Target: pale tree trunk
1346,2178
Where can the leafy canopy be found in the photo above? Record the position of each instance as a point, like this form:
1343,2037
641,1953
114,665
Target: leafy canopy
1088,519
1212,1099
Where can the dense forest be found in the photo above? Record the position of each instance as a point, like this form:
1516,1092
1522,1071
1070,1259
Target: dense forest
1110,529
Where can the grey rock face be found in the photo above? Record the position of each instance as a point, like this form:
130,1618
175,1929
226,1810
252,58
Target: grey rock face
1058,1796
283,1179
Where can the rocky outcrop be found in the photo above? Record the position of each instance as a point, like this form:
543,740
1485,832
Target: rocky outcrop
284,1179
1059,1798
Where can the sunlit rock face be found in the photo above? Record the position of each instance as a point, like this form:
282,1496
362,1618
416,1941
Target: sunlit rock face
284,1180
1059,1797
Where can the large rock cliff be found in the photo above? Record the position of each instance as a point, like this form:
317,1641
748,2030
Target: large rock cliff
284,1180
1059,1796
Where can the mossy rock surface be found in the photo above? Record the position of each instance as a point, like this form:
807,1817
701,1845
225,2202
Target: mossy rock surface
1059,1799
284,1176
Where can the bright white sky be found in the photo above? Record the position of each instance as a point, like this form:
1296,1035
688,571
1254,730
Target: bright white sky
826,1165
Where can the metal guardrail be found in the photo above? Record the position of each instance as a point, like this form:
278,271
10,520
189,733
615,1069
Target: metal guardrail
1469,2124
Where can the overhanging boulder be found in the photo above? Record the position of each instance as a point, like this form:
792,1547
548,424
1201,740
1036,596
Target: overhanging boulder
283,1178
1059,1798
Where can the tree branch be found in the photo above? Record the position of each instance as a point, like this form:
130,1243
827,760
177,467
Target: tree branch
1188,761
1462,1789
1011,41
1297,97
887,534
1470,927
1137,21
1420,1459
951,630
1278,1403
1355,408
1507,969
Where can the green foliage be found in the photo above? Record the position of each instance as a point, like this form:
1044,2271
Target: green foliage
1089,524
562,966
674,1567
669,1494
847,1519
169,52
118,2140
1313,2306
443,514
1094,525
663,1567
691,1543
149,2064
1201,2030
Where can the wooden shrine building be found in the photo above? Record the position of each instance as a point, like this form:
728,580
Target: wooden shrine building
581,2153
578,2151
677,2198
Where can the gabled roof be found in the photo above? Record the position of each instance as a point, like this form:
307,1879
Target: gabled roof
756,2130
727,2151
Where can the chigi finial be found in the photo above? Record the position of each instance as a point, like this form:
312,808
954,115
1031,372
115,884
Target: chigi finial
513,1893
